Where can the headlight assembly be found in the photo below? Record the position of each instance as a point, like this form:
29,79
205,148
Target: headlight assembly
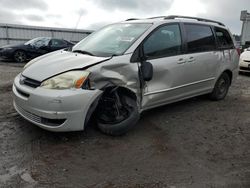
68,80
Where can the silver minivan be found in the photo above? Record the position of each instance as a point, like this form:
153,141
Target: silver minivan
125,68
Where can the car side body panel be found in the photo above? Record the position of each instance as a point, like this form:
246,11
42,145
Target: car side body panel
175,78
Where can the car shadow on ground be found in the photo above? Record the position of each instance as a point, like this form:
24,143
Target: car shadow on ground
91,129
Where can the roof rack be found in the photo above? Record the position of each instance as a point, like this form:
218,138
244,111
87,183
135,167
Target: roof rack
194,18
157,17
131,19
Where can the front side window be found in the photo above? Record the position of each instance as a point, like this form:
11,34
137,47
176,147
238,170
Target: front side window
223,38
112,40
57,43
165,41
200,38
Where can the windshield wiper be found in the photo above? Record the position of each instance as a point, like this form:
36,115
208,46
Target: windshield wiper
83,52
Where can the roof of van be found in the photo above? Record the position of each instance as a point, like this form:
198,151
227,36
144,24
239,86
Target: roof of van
176,18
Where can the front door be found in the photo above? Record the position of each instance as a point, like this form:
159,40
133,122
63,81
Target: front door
163,49
179,73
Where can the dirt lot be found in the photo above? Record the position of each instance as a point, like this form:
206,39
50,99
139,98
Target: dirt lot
194,143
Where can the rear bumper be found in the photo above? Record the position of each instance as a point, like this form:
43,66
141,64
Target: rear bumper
53,110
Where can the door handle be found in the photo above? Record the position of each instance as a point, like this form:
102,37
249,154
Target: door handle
191,59
181,61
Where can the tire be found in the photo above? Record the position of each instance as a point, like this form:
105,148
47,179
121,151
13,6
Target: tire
20,56
119,124
221,87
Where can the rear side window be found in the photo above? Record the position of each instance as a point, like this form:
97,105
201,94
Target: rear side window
200,38
223,37
164,41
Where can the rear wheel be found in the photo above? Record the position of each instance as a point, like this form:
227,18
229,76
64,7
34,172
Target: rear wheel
221,87
20,56
117,113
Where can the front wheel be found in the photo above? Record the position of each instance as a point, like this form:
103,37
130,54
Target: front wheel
221,87
117,113
20,56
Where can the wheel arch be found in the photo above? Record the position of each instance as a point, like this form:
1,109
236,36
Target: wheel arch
107,89
230,74
20,50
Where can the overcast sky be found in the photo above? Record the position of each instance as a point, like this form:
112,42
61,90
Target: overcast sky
93,14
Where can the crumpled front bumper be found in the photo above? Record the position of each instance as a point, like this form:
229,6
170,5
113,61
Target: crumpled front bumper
53,110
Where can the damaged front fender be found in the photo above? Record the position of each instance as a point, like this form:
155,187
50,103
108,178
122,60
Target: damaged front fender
116,72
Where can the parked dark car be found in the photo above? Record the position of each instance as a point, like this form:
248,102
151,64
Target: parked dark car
32,48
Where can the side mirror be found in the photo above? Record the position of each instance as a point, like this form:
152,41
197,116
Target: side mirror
69,48
147,71
146,67
138,55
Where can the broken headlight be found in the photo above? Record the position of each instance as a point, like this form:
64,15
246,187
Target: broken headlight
68,80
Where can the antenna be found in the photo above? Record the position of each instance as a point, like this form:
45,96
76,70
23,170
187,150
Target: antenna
77,23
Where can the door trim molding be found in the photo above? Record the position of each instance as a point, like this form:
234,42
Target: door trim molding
177,87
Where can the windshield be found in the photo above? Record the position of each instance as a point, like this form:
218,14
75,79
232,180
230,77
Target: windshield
112,40
38,42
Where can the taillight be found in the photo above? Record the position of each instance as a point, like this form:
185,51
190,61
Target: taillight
239,51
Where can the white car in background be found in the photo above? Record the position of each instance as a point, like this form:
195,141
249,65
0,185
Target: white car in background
244,63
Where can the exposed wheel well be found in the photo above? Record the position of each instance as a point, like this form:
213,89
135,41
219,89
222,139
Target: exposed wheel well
94,105
123,90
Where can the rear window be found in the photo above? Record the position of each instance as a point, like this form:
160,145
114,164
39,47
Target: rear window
223,38
200,38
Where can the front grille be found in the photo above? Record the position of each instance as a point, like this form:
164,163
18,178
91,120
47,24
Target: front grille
38,119
30,82
248,61
29,115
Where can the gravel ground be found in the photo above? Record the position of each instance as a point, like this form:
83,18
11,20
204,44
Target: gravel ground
193,143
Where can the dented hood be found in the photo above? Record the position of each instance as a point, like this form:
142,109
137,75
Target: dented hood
57,62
